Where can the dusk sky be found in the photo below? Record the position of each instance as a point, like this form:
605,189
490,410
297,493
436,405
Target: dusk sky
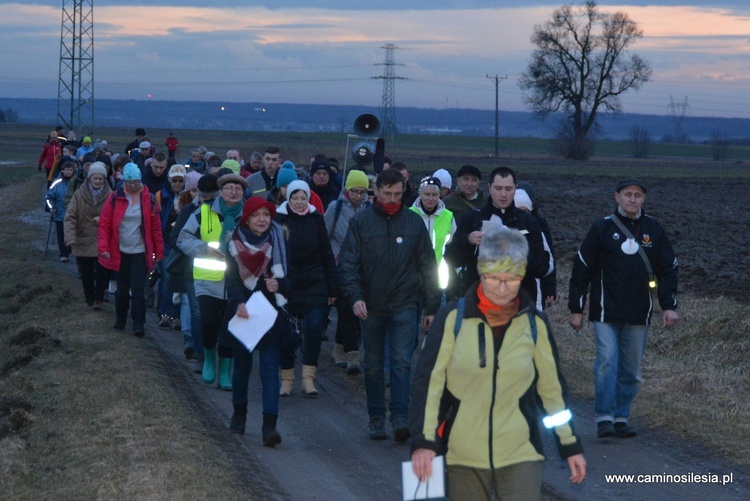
326,51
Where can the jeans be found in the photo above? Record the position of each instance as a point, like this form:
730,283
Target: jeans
269,377
617,369
401,332
190,317
313,325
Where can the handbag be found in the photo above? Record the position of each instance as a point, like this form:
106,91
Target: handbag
289,331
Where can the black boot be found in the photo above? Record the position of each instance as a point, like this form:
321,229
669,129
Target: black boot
138,313
237,425
121,312
271,437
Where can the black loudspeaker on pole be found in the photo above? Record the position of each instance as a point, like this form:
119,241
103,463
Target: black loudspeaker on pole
367,128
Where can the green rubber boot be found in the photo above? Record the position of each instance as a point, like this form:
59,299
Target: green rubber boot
209,366
225,374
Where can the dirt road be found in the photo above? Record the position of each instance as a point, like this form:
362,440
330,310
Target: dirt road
325,453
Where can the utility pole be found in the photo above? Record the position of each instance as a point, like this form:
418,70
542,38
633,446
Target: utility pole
497,79
388,110
75,84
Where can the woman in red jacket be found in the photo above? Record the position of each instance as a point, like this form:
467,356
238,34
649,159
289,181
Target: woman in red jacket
51,153
130,243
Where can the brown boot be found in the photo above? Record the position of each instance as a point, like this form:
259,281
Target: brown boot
287,382
308,381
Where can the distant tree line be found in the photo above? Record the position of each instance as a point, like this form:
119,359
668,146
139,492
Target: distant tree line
8,115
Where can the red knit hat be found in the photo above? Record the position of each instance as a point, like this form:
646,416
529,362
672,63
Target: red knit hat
253,204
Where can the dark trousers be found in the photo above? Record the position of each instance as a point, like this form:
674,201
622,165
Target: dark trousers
94,277
131,288
64,249
348,328
313,325
212,323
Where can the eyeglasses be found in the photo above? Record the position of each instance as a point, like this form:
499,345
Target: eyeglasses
509,282
132,182
228,187
359,193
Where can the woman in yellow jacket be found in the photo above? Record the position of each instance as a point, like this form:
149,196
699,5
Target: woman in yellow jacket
487,361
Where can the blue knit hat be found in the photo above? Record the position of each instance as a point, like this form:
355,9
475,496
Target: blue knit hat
286,175
131,172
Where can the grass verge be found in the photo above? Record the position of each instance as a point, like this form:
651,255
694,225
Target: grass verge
86,412
696,375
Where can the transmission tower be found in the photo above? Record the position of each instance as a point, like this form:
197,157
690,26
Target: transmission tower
75,84
388,109
678,111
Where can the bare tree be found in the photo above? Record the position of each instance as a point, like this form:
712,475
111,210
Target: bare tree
580,66
640,140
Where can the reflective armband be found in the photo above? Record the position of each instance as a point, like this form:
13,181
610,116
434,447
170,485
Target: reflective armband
557,419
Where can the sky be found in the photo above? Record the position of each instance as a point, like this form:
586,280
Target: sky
329,51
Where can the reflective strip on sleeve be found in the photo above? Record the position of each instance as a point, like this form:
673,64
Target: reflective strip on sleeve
557,419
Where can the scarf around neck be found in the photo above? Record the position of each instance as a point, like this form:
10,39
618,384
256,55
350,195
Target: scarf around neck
496,315
230,222
254,254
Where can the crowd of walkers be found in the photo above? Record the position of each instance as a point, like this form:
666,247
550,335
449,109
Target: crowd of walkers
472,267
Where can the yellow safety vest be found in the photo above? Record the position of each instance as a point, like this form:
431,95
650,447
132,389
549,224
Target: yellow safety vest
209,268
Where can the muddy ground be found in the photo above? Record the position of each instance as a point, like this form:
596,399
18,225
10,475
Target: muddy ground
705,219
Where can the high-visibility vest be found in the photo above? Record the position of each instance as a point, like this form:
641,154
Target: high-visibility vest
209,268
439,235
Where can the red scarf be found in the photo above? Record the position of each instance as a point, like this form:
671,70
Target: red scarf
389,208
496,315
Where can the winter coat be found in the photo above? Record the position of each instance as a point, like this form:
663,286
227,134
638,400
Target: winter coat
50,153
154,183
489,409
620,290
458,205
312,267
326,193
461,253
109,229
56,198
81,230
388,262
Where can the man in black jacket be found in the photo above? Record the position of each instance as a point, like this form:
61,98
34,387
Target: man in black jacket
461,253
387,266
623,257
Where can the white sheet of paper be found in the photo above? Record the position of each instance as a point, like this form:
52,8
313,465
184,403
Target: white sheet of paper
433,488
494,220
262,315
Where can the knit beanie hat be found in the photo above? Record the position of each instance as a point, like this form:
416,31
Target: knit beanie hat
191,181
297,185
356,179
131,172
320,164
523,200
503,250
252,205
208,187
445,178
286,175
232,164
97,168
